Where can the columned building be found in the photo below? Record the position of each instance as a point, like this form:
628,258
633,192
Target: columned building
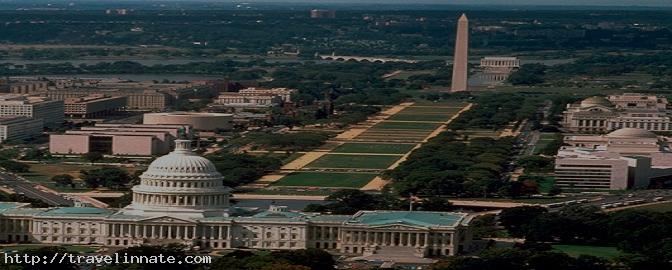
599,114
181,199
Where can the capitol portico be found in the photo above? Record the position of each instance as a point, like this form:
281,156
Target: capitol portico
181,199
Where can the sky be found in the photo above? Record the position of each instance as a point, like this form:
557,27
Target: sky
667,3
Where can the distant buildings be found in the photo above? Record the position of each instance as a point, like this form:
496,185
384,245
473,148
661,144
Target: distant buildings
93,106
19,127
52,112
112,139
28,87
500,64
197,120
322,14
599,114
256,97
139,95
625,158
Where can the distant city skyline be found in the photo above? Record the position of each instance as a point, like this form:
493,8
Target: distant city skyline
666,3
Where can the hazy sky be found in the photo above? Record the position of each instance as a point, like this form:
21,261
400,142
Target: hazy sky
489,2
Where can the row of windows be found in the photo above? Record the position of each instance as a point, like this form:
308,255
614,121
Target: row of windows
189,184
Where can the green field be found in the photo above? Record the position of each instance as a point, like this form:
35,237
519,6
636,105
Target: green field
544,140
324,179
575,251
42,173
422,117
375,148
404,125
353,161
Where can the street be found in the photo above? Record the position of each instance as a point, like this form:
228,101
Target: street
27,189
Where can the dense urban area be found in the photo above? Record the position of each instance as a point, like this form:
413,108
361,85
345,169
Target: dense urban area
316,136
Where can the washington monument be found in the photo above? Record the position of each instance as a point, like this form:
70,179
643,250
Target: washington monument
461,55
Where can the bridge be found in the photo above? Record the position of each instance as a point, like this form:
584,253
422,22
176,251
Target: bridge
346,58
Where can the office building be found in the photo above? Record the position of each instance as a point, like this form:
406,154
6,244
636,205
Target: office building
19,128
197,120
93,106
52,112
119,140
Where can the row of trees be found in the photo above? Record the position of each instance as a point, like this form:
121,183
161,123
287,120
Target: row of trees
239,169
642,234
448,166
495,110
349,201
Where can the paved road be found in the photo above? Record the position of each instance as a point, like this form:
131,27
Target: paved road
647,196
27,189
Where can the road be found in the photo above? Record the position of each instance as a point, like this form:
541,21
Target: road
26,188
599,200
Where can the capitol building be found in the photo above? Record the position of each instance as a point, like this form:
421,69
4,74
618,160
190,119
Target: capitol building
181,199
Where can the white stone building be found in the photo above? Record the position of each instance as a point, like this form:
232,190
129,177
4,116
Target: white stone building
181,199
599,114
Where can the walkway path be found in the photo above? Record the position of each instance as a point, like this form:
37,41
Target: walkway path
311,156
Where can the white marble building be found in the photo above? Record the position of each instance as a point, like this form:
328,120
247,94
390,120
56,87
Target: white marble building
630,110
181,199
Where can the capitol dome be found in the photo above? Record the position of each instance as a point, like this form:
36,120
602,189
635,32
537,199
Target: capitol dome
180,184
632,133
592,101
182,163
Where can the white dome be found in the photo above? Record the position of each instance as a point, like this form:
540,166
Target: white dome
592,101
180,184
632,133
181,163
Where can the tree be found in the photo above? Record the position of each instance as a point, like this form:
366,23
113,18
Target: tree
34,154
13,166
435,204
93,157
63,179
313,258
110,177
349,201
516,219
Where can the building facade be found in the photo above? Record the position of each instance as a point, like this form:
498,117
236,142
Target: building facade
19,127
625,158
52,112
599,114
181,199
117,139
28,87
93,106
500,64
196,120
